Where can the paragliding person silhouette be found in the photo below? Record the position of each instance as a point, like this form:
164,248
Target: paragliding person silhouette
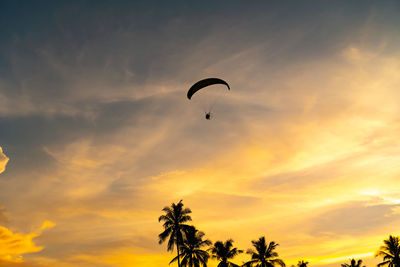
202,84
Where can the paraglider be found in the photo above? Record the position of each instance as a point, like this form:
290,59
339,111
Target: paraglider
201,85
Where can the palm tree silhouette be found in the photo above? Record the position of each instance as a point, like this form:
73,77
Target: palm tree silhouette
264,256
223,252
190,251
390,252
353,263
303,263
174,219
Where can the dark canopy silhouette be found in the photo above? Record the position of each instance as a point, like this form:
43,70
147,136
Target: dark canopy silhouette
390,252
224,252
302,263
353,263
191,252
204,83
264,255
174,224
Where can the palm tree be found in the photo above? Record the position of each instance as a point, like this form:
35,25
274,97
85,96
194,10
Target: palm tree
174,226
224,252
264,256
353,263
390,252
190,251
303,263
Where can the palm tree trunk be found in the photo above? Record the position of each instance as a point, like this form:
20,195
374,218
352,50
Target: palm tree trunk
177,248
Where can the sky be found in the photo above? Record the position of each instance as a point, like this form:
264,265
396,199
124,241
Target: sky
97,135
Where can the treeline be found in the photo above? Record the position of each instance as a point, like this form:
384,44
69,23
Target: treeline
193,250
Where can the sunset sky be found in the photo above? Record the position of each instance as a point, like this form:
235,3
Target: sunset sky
97,135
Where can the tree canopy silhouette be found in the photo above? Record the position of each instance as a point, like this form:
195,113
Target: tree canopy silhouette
390,252
174,225
302,263
224,252
264,255
191,251
353,263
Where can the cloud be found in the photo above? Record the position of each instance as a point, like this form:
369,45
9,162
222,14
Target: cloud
3,215
352,219
3,161
14,245
18,264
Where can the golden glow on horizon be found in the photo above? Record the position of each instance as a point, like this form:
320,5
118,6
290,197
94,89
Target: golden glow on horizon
342,258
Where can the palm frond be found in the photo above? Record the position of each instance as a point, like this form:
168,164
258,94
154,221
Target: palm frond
163,236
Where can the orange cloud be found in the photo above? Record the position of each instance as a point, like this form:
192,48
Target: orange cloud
14,245
3,160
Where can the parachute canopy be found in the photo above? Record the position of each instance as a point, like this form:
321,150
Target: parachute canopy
204,83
